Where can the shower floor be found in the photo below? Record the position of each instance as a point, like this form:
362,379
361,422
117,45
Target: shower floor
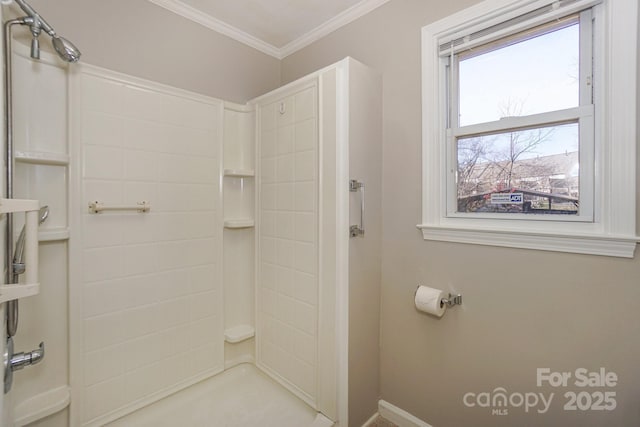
239,397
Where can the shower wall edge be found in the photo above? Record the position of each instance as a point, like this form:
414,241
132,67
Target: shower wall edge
74,244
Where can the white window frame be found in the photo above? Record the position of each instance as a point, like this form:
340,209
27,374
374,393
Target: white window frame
611,230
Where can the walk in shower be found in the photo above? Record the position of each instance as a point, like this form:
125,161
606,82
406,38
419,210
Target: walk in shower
208,248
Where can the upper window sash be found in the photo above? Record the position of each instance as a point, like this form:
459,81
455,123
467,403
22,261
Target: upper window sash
450,68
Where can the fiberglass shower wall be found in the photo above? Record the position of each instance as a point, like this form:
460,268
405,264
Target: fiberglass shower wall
318,290
147,289
41,172
146,295
288,240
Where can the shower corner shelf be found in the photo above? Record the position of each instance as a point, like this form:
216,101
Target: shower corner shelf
238,223
239,173
239,333
30,208
13,292
42,405
42,158
53,234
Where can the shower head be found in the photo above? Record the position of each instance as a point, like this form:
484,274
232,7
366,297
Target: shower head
65,49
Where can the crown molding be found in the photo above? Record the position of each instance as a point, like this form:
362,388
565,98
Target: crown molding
354,12
186,11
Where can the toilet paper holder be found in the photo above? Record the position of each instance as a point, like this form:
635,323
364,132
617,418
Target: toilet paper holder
451,300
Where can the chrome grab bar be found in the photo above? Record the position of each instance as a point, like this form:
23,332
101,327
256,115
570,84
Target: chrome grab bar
97,207
357,230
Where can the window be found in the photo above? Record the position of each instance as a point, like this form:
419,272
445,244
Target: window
521,117
529,125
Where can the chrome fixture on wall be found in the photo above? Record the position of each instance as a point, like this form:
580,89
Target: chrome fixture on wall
69,53
16,361
98,207
37,24
355,186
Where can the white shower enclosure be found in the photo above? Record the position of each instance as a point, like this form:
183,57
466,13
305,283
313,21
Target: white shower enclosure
317,289
244,256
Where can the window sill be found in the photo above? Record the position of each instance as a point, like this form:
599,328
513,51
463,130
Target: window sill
614,246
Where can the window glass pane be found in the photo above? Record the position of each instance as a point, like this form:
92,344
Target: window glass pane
536,75
524,171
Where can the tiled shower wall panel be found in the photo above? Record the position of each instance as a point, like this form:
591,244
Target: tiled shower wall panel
151,289
288,241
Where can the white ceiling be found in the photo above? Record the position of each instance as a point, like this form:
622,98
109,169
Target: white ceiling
276,27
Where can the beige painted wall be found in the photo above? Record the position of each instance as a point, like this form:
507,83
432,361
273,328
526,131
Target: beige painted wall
522,310
144,40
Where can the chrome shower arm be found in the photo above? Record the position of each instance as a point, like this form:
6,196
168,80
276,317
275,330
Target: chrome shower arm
37,19
65,49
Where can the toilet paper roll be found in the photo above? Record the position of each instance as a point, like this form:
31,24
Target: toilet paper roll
428,300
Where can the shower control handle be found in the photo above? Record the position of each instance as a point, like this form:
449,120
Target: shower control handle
20,360
16,361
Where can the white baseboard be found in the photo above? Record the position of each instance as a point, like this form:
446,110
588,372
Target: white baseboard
399,416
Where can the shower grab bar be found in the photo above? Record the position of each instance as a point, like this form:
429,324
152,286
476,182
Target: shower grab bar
97,207
354,186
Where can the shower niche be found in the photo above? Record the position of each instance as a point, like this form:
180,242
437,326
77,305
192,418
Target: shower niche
238,184
238,166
